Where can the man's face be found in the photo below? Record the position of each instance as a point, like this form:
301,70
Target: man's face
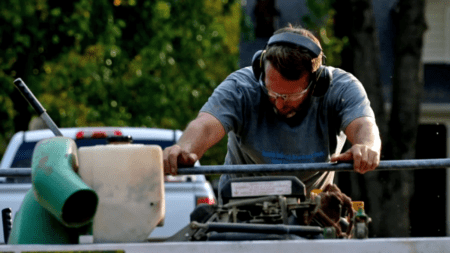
286,96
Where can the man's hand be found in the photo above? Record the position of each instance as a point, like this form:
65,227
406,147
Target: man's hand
364,158
366,145
175,156
201,134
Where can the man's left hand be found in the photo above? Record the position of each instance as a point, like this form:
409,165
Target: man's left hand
364,158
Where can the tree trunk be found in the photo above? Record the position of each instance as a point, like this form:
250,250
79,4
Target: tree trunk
355,19
387,193
409,21
362,57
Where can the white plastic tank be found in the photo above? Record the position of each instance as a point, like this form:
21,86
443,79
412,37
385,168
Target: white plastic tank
129,181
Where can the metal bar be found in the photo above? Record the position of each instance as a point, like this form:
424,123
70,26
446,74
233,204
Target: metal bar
18,172
293,167
49,122
260,168
250,201
239,236
29,96
258,228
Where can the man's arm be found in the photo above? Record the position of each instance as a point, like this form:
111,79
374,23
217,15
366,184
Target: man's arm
200,135
364,136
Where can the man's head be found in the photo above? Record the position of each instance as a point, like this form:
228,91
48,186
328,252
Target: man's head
287,73
293,61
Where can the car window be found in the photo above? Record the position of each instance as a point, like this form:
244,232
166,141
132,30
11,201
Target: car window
22,159
163,144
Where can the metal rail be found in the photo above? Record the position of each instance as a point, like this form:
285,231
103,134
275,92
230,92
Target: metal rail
258,228
16,172
263,168
388,165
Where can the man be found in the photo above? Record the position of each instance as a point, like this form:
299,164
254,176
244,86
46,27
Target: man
281,115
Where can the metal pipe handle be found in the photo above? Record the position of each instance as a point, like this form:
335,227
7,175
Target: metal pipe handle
29,96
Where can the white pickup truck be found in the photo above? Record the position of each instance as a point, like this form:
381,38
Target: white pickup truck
182,193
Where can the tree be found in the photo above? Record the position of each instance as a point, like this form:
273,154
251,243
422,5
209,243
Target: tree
32,32
386,190
410,26
121,63
362,58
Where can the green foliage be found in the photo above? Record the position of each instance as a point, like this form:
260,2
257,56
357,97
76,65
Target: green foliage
6,112
321,22
122,63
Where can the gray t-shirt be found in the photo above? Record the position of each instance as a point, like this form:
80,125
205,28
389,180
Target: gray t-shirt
257,135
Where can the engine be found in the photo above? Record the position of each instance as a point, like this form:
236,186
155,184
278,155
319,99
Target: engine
277,208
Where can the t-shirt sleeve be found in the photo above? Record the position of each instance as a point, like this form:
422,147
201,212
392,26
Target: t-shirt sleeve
350,100
227,104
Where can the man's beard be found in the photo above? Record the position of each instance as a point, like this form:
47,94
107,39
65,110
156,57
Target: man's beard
301,109
289,115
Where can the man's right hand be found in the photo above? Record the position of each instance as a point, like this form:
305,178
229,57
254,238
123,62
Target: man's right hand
175,156
200,134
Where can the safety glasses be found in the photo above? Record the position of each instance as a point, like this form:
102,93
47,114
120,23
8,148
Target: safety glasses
285,97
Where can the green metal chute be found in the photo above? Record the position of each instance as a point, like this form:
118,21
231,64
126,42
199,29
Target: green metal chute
60,206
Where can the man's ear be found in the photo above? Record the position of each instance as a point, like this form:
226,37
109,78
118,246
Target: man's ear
258,64
323,78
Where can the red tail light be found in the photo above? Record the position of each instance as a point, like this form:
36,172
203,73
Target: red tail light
97,134
80,135
205,200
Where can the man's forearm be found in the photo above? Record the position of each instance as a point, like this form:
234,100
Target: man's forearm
201,134
364,135
364,131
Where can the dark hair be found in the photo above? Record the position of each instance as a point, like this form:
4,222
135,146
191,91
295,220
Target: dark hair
292,61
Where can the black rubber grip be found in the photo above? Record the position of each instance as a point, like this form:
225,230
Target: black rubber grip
7,223
23,88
